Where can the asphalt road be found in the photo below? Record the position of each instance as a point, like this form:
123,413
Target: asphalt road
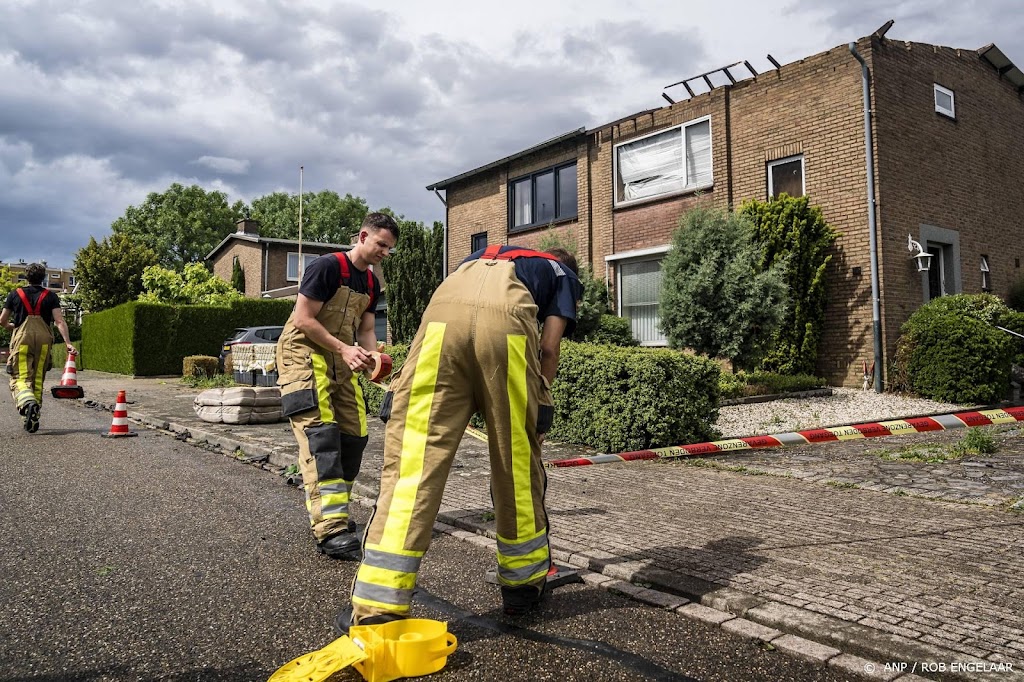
150,559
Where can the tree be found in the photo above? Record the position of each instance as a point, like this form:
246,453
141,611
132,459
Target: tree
181,225
237,276
715,299
194,286
7,285
326,217
790,229
411,274
109,273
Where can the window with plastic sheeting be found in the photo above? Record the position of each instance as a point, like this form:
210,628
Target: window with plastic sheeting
640,291
667,162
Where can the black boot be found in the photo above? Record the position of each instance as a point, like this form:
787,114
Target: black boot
518,601
32,417
343,621
345,546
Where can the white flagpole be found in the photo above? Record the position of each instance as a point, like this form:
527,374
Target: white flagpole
300,225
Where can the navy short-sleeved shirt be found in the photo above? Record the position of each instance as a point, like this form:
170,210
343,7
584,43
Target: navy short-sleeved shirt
554,287
17,308
322,279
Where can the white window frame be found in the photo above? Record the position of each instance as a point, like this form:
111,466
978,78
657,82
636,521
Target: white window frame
788,159
951,111
986,275
71,280
292,265
656,253
687,187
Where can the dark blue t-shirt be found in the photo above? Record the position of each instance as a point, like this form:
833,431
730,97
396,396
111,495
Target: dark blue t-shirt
554,287
322,279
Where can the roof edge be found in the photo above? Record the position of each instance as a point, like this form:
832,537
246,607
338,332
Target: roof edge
443,184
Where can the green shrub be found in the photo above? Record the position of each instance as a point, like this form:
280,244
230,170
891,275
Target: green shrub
951,351
617,399
614,331
371,391
742,384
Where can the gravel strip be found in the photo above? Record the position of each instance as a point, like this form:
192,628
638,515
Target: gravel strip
844,406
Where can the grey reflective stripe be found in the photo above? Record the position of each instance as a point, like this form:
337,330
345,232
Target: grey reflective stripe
790,438
522,548
341,487
384,595
949,421
605,459
518,575
391,562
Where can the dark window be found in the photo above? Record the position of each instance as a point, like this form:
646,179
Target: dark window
477,242
786,176
543,197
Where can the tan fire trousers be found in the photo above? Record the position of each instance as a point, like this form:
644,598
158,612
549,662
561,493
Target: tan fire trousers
29,360
477,349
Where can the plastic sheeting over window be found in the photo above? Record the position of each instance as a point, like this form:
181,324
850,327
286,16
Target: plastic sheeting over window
667,162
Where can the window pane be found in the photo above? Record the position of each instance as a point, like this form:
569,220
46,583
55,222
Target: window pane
293,266
943,101
544,197
641,289
698,154
567,207
789,178
651,166
477,242
521,203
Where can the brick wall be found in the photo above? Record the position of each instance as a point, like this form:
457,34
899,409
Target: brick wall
962,175
965,175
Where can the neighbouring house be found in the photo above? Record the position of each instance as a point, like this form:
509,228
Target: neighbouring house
945,145
271,266
59,280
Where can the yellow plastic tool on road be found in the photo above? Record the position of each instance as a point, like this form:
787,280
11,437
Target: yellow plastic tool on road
404,648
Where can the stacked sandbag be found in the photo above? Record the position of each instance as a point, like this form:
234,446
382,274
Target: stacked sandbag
239,405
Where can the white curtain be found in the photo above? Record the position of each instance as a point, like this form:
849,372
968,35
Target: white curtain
641,289
698,154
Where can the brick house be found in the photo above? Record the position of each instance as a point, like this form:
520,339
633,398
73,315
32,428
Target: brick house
271,266
939,116
59,280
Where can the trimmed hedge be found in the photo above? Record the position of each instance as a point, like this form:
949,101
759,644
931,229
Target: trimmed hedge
613,330
149,339
951,351
616,399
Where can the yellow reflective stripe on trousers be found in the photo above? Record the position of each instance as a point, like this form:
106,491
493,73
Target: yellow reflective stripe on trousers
24,379
523,560
323,395
517,399
37,384
335,495
414,439
360,404
386,580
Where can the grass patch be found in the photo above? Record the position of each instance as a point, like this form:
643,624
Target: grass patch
975,441
203,382
841,484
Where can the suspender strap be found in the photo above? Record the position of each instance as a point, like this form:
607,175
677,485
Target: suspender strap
343,261
494,252
38,309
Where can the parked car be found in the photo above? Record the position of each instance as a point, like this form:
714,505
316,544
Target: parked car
248,335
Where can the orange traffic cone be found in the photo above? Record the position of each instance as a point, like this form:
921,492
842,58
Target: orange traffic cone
68,387
119,425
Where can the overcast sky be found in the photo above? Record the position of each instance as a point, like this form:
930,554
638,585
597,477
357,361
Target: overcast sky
105,101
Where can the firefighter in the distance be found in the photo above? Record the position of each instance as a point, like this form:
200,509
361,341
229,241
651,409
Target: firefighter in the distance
478,348
326,343
28,312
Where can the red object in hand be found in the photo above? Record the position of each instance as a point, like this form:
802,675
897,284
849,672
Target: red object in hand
382,365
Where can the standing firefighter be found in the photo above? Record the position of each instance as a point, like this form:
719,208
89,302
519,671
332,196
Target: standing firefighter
318,363
478,348
28,312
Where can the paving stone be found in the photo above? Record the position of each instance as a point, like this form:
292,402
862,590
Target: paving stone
747,628
805,649
705,614
862,667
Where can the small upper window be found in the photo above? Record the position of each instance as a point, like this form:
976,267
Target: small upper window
986,275
944,101
477,241
543,197
786,176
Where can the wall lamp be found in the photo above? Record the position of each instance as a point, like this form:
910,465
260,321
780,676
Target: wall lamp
923,258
